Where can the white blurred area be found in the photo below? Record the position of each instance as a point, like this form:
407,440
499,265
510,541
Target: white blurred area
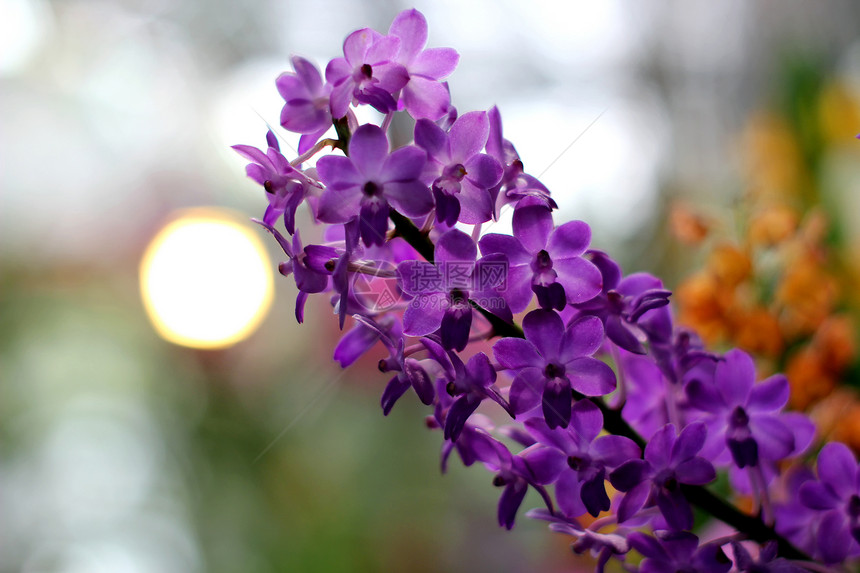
116,113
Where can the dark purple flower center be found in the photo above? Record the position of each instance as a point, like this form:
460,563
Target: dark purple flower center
371,189
458,297
267,185
542,262
578,463
554,371
739,419
367,71
854,506
451,388
667,480
499,481
616,301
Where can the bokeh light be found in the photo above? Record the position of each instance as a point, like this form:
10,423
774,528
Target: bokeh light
206,280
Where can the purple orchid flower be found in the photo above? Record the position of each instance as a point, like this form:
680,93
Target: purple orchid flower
423,96
577,460
306,109
553,360
545,261
307,265
367,74
371,178
442,290
631,308
836,494
670,461
461,175
362,337
678,551
602,546
284,190
767,561
472,383
742,415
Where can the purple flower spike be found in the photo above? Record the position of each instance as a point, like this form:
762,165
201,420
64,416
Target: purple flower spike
442,290
545,261
279,179
423,96
670,461
368,180
836,494
582,457
307,109
368,73
553,360
742,415
678,551
460,173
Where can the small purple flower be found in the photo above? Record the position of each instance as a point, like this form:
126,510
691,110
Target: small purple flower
284,191
307,265
545,261
553,360
306,109
364,184
678,551
442,290
577,460
632,309
767,561
362,337
473,382
423,96
670,461
602,546
836,494
368,73
461,175
742,415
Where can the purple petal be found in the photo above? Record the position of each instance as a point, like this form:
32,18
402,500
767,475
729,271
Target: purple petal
591,377
586,421
569,240
483,171
546,464
659,450
395,389
476,205
696,471
689,443
426,98
432,139
544,329
532,224
460,410
455,246
456,324
468,135
382,51
424,314
506,245
568,493
834,539
581,280
838,468
368,150
556,402
704,396
769,395
419,277
373,222
341,94
517,353
354,343
339,173
510,502
775,440
435,63
676,510
404,164
594,495
413,198
420,381
480,369
629,474
618,332
518,289
735,376
583,337
355,45
411,27
816,495
527,390
633,501
615,450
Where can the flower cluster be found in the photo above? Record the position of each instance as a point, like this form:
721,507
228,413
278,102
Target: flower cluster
539,358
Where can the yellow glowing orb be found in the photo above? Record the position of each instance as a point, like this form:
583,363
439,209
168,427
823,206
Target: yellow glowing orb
206,279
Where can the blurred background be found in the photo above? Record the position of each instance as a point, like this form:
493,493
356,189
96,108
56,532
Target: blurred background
709,143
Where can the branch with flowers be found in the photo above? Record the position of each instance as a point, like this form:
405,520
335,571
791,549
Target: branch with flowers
586,362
